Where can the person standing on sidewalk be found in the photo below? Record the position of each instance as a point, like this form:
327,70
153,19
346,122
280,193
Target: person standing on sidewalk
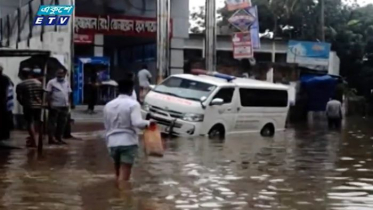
6,120
144,77
59,91
93,87
29,95
122,118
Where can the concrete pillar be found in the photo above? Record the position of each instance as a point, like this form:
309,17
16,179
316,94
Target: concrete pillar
163,37
99,45
210,35
180,32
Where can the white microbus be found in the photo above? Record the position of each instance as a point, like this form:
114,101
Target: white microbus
217,105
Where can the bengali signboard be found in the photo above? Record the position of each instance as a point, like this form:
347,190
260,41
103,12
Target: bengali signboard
237,4
242,46
83,38
116,25
308,53
242,20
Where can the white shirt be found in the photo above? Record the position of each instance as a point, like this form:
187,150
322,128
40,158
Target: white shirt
60,92
144,76
334,109
134,96
122,118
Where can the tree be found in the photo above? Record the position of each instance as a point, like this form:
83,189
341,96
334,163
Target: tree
197,21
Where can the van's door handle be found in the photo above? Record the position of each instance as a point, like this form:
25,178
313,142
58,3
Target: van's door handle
238,109
229,109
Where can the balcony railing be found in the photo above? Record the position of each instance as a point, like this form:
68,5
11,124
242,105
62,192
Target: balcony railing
18,26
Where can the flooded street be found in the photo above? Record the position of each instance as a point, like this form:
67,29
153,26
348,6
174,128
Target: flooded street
307,167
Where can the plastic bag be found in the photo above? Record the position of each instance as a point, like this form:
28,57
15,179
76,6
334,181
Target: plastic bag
153,142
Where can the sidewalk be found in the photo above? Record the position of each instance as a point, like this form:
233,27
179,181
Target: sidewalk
79,114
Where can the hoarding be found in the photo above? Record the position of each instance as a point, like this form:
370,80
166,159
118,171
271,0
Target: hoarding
254,28
242,20
308,53
237,4
242,46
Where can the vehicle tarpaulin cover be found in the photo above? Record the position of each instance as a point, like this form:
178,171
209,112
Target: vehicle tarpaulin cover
319,89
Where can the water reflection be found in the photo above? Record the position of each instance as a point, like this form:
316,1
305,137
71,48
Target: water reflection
307,167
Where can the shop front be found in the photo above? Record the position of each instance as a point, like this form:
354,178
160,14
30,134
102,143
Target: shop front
125,43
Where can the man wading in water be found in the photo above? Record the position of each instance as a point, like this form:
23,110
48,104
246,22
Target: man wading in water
122,118
334,113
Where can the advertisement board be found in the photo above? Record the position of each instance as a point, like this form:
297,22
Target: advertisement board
308,53
242,46
254,28
237,4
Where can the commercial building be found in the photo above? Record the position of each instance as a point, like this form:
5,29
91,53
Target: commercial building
122,31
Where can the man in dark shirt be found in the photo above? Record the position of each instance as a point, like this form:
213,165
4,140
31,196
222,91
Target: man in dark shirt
29,95
6,121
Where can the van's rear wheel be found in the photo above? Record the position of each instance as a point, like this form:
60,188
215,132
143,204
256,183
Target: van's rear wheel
268,130
217,131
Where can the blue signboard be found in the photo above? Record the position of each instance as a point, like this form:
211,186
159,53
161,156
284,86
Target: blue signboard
308,53
254,28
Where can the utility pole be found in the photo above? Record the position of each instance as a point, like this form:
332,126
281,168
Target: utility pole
210,35
322,20
163,37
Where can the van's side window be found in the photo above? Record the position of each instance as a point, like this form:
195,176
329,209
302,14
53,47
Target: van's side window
263,98
226,94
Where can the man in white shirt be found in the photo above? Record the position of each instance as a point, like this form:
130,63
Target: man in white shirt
122,118
59,91
144,77
334,113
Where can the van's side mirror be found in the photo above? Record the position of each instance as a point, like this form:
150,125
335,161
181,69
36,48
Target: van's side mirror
217,102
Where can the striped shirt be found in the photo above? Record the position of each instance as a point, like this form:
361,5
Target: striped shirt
29,93
10,98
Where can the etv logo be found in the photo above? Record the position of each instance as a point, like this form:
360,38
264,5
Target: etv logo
51,20
49,15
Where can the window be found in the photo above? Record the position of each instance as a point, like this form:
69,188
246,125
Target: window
263,98
185,88
226,94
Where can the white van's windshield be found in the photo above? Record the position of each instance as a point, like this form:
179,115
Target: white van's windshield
185,88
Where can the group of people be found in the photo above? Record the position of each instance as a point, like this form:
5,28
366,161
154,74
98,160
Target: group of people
30,97
122,115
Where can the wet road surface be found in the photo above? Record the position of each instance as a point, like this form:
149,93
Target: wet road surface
307,167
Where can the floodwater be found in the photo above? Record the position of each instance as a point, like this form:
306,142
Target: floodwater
307,167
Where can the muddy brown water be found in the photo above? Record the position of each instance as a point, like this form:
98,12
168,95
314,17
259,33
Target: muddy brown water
307,167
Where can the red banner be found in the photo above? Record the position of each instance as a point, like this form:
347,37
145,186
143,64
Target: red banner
116,25
242,46
84,38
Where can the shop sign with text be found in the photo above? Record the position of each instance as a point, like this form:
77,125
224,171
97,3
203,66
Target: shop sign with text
83,38
116,25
